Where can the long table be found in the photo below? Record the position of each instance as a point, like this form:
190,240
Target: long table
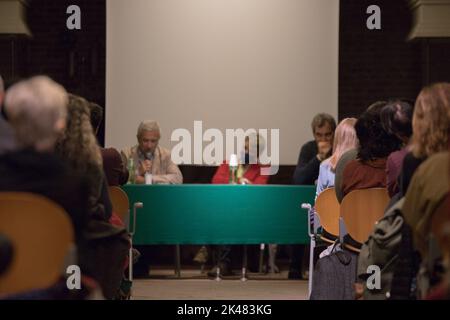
220,214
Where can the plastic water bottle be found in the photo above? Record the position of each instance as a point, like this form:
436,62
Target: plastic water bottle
131,172
233,165
148,178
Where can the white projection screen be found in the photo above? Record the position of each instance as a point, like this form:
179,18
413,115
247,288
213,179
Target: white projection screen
262,64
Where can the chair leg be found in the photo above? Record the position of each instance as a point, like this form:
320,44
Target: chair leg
130,261
273,248
311,265
261,257
244,265
177,261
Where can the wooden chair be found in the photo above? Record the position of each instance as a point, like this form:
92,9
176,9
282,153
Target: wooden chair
120,202
360,210
41,234
327,208
121,206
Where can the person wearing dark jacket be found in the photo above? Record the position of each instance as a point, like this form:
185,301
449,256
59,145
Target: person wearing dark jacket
314,152
311,155
104,253
115,170
45,174
39,105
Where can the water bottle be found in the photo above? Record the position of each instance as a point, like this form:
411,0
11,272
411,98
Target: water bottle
131,172
148,178
233,165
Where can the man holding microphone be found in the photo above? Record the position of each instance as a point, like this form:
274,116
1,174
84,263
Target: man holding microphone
150,160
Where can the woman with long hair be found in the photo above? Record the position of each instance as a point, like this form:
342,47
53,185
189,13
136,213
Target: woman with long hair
430,125
103,252
79,148
344,139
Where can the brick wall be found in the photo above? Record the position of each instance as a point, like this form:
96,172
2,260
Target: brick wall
376,64
50,49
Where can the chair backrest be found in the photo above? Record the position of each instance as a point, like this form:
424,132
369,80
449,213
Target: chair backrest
440,227
327,208
41,234
120,202
361,209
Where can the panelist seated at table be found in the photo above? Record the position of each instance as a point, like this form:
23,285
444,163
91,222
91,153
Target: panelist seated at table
148,157
248,172
249,169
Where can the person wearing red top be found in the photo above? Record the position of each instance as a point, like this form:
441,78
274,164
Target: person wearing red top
249,172
368,170
252,175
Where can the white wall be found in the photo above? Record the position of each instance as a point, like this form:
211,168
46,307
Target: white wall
259,64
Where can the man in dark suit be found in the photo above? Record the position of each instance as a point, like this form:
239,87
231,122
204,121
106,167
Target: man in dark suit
311,155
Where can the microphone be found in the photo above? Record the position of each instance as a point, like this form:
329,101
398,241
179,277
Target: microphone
148,156
148,174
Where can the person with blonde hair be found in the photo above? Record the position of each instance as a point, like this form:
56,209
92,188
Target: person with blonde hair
344,139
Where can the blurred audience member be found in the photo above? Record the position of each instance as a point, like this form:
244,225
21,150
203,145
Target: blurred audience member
430,129
396,118
105,249
115,170
37,111
344,140
7,139
375,145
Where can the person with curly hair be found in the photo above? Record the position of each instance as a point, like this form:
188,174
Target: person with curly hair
103,253
78,147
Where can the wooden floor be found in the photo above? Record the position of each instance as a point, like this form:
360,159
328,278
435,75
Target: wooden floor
194,285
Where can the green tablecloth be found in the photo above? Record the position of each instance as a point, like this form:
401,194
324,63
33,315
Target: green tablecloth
220,214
